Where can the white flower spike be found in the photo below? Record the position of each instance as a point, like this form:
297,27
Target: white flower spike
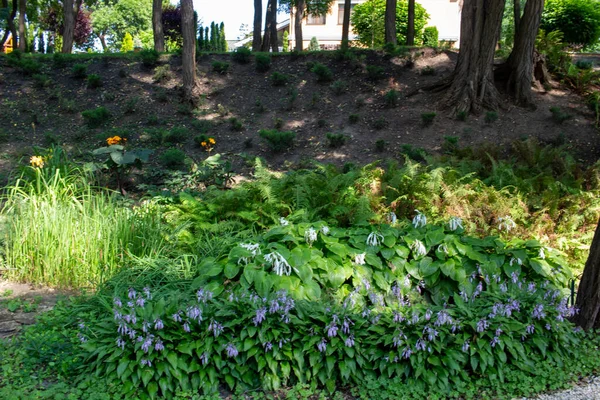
283,221
359,259
506,223
374,239
310,235
419,220
279,263
418,248
455,223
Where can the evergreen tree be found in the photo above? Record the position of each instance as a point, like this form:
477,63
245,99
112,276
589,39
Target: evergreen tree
286,41
127,44
41,42
206,41
213,37
201,39
223,42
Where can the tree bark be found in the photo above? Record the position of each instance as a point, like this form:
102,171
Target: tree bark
410,25
68,26
471,86
22,13
257,31
157,27
346,24
390,21
189,49
5,36
274,38
588,293
266,42
300,7
517,15
102,38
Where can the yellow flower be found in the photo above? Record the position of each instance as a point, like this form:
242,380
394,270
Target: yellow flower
212,141
36,161
203,144
114,140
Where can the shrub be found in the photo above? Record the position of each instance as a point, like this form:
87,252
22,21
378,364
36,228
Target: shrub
559,116
414,153
321,123
279,79
79,71
578,20
202,125
149,57
314,44
380,123
263,62
278,123
323,72
241,55
462,115
59,60
94,81
29,67
279,141
380,145
185,109
375,72
41,80
428,71
173,158
339,87
336,139
427,118
178,134
96,117
353,118
161,95
162,73
584,64
130,105
236,124
127,43
491,116
391,98
430,36
220,67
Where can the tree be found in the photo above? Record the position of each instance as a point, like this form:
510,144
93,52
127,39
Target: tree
368,22
269,41
390,21
298,17
127,44
10,25
112,19
157,28
578,20
68,31
301,9
257,27
346,25
188,28
22,13
588,293
410,23
222,39
286,41
314,44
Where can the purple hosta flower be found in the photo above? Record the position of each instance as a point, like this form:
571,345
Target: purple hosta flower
549,327
577,329
130,304
81,337
376,299
495,341
443,318
346,325
131,294
260,316
215,327
430,332
375,319
177,316
531,287
147,293
283,221
117,315
120,343
204,295
482,325
310,236
204,358
122,329
145,363
231,350
117,302
513,305
158,324
564,310
420,345
465,346
186,326
497,308
415,318
503,287
194,313
538,312
478,290
145,326
428,314
139,339
472,277
406,353
359,259
140,301
147,343
398,340
159,346
280,265
349,342
486,278
499,332
464,295
530,329
455,328
398,317
419,220
514,277
420,285
406,282
282,342
268,346
132,333
374,239
418,248
506,223
322,345
396,291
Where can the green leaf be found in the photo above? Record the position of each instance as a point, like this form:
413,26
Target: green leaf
373,260
413,269
250,272
336,277
122,366
427,266
152,389
231,270
389,240
172,358
108,150
147,374
337,248
541,267
186,348
121,158
305,273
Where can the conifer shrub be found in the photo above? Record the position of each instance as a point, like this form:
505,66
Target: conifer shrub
263,62
96,117
278,140
323,72
241,55
79,71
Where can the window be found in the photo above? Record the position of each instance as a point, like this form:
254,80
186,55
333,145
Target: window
315,19
341,13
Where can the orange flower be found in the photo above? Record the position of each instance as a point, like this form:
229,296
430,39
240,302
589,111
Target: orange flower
212,141
115,140
203,144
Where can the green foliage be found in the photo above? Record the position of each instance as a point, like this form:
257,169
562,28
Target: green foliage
178,134
491,117
428,71
96,117
41,81
551,45
391,98
279,79
430,36
462,115
263,62
428,117
127,43
380,145
25,65
79,71
336,139
241,55
375,72
584,64
149,57
131,104
380,123
162,73
313,45
559,116
236,124
94,81
286,42
578,20
173,158
59,60
368,22
220,67
580,80
339,87
353,118
279,141
323,72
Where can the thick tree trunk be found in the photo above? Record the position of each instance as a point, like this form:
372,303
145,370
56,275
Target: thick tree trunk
274,38
410,25
157,27
266,42
102,38
588,293
68,26
10,24
390,21
520,61
300,7
257,31
517,15
346,24
22,13
189,49
4,4
471,86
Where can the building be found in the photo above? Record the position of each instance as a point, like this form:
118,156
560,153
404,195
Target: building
443,14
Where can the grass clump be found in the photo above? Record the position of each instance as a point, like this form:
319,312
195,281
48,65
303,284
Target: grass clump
462,116
322,72
235,124
380,145
339,87
79,71
149,57
428,71
336,139
96,117
375,72
559,116
391,98
241,55
177,134
263,62
353,118
41,81
278,141
220,67
380,123
94,81
162,73
427,118
173,158
490,117
279,79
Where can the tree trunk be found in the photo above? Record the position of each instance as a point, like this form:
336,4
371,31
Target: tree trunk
157,27
266,42
471,86
257,31
517,15
22,13
102,38
390,21
4,4
274,38
189,49
346,24
520,61
300,7
68,26
410,25
588,293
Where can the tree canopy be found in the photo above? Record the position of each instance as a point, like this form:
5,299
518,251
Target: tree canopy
578,20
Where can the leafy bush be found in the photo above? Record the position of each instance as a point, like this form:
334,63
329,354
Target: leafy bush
323,72
173,158
578,20
220,67
313,45
339,87
279,141
162,73
428,117
79,71
130,105
236,124
178,134
279,79
96,117
263,62
584,64
430,36
241,55
41,80
375,72
94,81
558,115
336,139
29,67
59,60
491,116
391,98
149,57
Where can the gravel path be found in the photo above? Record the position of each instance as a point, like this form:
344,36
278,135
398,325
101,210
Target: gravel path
587,389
